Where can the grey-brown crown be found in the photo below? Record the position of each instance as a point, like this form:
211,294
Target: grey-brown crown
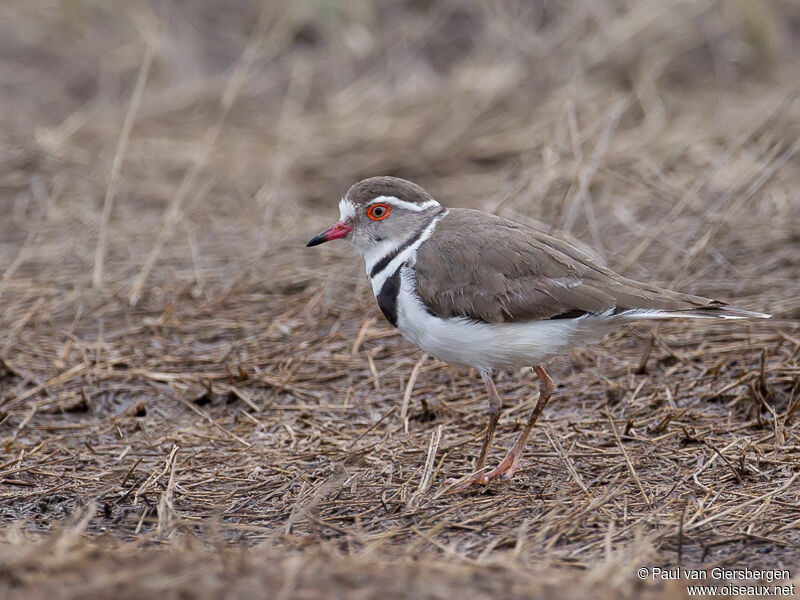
368,189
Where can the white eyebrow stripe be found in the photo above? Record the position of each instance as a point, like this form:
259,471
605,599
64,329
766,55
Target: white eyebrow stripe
394,201
346,210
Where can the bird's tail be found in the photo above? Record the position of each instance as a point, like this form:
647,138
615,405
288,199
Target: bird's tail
705,312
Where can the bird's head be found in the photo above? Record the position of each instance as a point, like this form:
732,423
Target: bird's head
380,213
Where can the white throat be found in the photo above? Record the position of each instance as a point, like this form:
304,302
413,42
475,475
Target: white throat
375,252
379,252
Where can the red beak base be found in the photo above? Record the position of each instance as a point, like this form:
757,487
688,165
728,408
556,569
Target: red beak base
339,230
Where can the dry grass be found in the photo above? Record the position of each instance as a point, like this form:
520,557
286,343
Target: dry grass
193,404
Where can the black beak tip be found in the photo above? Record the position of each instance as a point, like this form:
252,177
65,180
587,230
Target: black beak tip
315,241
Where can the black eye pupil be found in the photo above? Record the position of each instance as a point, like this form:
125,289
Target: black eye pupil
378,211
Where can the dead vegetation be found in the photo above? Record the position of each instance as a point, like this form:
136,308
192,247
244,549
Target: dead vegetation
194,404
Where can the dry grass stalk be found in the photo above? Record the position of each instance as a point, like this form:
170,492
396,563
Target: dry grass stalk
310,433
116,165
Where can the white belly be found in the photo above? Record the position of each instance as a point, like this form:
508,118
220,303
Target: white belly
486,346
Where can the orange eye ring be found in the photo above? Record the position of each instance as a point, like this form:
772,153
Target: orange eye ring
378,212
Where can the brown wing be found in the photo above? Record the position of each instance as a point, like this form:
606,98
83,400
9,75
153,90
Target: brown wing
490,269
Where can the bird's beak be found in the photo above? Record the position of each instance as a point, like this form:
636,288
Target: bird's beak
339,230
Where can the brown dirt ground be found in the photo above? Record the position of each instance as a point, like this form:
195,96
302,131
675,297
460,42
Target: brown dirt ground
205,408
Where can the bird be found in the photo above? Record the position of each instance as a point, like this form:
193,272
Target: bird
475,289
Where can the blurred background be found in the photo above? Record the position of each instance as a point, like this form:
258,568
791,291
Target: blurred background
162,164
649,130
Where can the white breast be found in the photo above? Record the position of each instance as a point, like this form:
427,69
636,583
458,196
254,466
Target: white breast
483,345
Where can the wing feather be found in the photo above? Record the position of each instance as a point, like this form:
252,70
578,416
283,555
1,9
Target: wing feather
493,270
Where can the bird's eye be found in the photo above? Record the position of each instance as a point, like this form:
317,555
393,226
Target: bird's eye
376,212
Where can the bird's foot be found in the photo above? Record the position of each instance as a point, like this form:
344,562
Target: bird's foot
503,471
467,481
507,467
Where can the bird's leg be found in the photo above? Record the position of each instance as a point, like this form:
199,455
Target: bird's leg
495,404
508,466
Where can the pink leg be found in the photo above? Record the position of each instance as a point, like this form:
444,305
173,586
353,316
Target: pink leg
495,404
509,465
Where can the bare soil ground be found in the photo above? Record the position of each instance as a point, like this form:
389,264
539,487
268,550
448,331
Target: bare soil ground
195,405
